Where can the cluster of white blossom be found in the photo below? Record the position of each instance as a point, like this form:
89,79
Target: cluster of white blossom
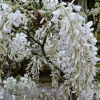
62,40
10,83
71,45
36,66
19,89
12,44
13,19
19,47
22,89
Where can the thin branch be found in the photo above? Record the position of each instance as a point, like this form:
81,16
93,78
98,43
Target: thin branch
44,53
48,59
45,38
28,31
36,41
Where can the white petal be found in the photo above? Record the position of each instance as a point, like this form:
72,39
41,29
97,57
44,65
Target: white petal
10,16
89,24
4,28
63,3
56,13
24,1
77,8
42,20
93,41
91,29
96,59
16,14
94,48
16,24
54,19
94,52
69,6
41,12
90,54
93,62
4,6
86,44
62,31
76,76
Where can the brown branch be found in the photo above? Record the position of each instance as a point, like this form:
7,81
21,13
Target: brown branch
48,59
28,31
45,38
36,41
44,53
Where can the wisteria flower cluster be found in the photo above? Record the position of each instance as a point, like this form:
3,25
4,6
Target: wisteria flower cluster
53,34
17,90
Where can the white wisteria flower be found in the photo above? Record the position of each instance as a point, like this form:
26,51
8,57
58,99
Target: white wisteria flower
55,35
77,8
16,19
4,6
19,48
9,83
24,1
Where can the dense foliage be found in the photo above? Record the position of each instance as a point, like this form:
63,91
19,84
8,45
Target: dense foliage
51,34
